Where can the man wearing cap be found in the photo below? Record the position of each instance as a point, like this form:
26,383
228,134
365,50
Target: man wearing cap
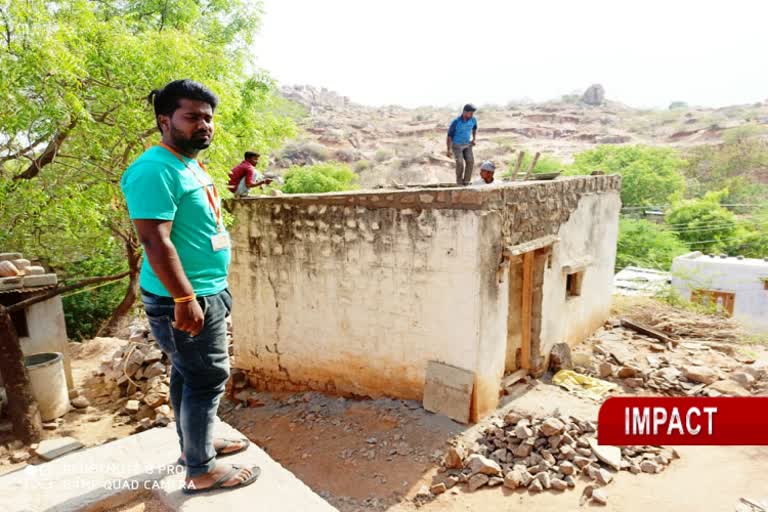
487,170
461,138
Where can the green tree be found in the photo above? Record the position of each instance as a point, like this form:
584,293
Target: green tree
649,175
703,224
319,178
645,244
75,77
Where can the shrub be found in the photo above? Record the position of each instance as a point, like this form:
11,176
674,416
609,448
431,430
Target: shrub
382,155
319,178
362,165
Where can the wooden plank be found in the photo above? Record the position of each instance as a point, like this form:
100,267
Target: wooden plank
533,165
525,348
648,331
518,164
514,377
537,243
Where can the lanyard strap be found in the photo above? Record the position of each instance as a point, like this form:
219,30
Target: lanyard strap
213,197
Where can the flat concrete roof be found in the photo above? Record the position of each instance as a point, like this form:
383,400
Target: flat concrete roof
724,261
443,196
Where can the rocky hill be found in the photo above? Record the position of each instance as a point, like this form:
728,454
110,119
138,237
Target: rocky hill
404,145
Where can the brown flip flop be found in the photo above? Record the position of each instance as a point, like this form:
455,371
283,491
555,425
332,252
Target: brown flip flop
221,453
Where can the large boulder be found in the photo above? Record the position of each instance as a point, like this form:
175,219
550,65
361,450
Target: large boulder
594,95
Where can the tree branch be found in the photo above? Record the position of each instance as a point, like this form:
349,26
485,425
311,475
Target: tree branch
48,155
63,289
21,152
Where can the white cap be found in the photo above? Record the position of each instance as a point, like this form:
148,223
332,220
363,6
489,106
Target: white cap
488,166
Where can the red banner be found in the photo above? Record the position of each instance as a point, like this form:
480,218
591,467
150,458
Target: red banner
626,421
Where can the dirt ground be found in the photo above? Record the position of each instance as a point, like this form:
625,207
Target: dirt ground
309,437
377,455
97,424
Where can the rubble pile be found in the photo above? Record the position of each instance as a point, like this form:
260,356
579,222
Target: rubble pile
520,452
692,368
137,376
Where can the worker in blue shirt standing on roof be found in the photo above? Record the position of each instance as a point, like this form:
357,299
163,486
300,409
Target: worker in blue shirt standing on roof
461,138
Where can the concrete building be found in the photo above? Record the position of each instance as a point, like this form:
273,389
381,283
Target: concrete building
739,286
358,293
40,327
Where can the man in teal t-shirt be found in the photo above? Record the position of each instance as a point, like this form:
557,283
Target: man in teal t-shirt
176,209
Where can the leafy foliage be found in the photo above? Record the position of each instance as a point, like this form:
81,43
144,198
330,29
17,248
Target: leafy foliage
644,244
703,223
319,178
649,175
85,310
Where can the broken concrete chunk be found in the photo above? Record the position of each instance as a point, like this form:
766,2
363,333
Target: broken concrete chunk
132,406
20,456
454,457
605,370
477,481
603,476
600,497
495,481
560,357
729,388
700,374
552,427
567,468
80,402
49,449
523,432
448,390
154,370
478,464
438,489
609,455
514,479
559,485
626,372
648,466
545,479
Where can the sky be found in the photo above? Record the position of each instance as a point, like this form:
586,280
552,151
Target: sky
446,53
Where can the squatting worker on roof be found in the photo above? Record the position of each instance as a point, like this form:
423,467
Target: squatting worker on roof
177,213
487,171
461,137
244,176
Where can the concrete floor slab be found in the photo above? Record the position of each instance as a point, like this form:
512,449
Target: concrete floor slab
109,475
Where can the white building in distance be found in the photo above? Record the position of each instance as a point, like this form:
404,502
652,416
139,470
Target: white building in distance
738,285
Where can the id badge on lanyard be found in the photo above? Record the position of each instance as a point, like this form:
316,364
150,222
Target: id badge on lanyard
220,240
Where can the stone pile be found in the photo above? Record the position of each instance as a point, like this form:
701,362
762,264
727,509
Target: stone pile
543,453
663,375
137,376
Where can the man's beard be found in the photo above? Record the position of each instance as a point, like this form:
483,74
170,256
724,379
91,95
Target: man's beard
189,145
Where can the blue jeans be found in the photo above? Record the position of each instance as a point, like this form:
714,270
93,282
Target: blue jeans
200,369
